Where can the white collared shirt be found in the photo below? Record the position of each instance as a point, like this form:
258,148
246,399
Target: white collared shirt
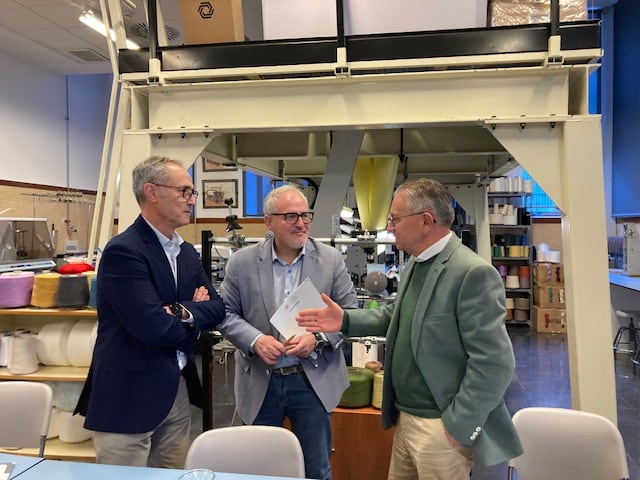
434,249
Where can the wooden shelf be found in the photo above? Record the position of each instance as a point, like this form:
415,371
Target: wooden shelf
49,374
56,449
51,312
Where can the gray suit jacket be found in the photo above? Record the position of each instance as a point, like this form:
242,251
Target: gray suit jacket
461,347
247,290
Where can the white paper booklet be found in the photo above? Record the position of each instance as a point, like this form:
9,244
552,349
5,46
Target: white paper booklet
304,296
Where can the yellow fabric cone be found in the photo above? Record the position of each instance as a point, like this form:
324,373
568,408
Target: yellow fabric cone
373,181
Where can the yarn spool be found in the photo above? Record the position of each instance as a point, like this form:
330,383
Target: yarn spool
358,394
373,365
80,343
5,340
73,291
45,287
93,292
15,289
23,358
376,396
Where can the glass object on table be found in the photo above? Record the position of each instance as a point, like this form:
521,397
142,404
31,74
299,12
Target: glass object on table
198,474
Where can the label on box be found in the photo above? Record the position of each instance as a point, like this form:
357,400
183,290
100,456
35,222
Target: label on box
549,296
549,320
546,273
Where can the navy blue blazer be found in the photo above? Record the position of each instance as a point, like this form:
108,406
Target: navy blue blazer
134,373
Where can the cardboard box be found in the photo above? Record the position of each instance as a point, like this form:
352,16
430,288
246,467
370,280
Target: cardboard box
550,296
523,12
549,320
287,19
212,21
545,273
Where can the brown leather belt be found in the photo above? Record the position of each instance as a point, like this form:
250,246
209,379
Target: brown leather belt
290,370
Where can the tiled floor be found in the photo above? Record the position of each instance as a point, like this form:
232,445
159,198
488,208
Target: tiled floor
541,379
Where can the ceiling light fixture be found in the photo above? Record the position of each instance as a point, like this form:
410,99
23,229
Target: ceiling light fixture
93,22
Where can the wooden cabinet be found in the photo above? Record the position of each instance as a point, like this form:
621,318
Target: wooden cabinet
32,319
362,449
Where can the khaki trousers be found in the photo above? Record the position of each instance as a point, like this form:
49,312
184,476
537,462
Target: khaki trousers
421,451
164,447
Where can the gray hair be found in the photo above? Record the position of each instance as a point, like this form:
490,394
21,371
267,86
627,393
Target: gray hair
273,195
152,170
431,195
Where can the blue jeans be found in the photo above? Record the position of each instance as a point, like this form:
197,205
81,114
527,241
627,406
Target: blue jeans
291,396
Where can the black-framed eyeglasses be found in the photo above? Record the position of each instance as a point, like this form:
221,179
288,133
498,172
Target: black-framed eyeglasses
292,218
393,221
186,192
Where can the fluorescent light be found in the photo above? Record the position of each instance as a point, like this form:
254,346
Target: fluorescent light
91,21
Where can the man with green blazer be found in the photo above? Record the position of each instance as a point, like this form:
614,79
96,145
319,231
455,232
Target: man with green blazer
449,359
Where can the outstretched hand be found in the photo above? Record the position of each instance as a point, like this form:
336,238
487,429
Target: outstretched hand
326,319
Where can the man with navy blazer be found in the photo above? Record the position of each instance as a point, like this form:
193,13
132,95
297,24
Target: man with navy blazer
448,359
301,378
153,300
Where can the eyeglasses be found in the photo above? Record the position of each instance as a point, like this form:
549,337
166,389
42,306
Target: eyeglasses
187,192
393,221
293,217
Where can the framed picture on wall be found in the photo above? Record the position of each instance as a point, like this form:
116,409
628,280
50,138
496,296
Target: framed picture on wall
220,193
217,165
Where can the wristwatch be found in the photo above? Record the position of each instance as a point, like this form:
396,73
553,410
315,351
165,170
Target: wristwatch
177,309
321,343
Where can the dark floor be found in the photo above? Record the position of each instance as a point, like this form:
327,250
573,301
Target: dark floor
541,379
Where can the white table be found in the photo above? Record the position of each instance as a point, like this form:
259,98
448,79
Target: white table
618,277
21,463
62,470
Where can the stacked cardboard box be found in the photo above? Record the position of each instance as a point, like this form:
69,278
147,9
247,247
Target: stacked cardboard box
549,314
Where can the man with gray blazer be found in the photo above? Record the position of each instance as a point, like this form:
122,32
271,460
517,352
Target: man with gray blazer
449,359
301,378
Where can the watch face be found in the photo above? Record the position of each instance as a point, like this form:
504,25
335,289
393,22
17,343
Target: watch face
177,309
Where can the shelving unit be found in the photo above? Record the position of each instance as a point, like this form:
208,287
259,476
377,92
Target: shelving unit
503,238
32,319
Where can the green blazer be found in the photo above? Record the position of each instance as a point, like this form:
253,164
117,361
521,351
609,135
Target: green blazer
461,347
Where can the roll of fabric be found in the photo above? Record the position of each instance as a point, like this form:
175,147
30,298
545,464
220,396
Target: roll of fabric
80,343
376,396
73,291
71,428
15,289
45,287
509,303
90,276
23,358
358,394
53,339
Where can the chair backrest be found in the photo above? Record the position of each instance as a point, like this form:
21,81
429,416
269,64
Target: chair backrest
248,449
567,444
25,410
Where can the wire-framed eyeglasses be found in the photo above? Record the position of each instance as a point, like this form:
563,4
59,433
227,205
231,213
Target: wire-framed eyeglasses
291,217
393,221
186,192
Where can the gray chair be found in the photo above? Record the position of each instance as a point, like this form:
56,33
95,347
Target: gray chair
25,410
248,449
561,443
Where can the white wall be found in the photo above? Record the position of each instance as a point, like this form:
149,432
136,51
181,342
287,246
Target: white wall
46,139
